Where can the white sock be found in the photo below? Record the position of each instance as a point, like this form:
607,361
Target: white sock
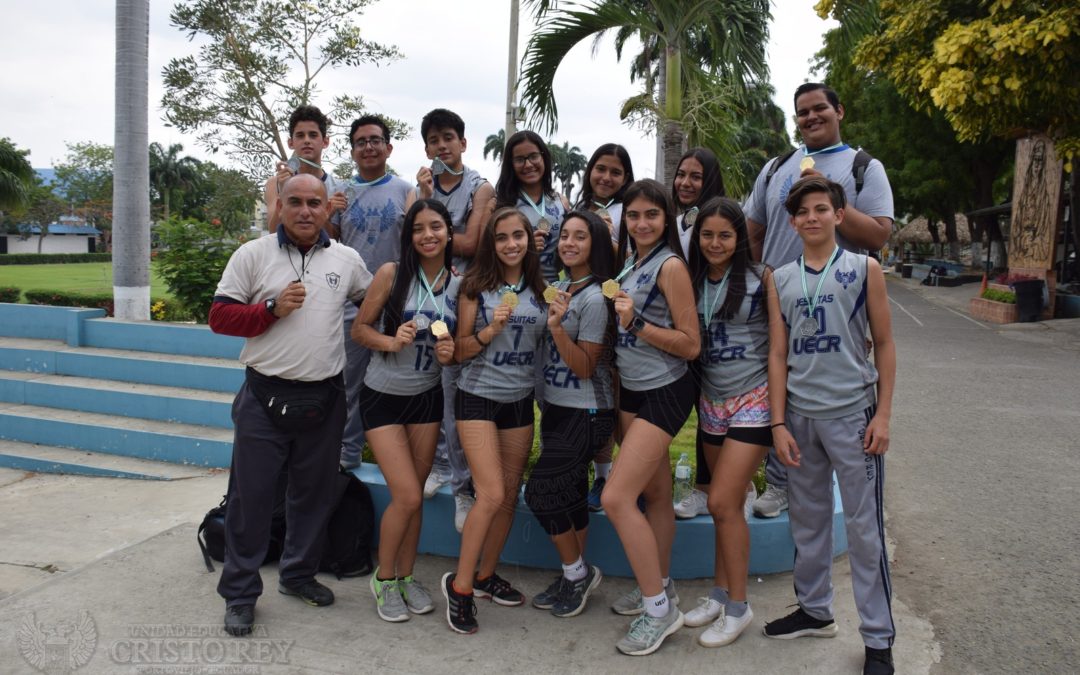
656,606
602,469
576,570
667,582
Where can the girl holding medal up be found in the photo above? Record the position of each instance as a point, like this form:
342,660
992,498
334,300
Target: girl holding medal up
733,410
697,180
578,413
525,184
657,333
607,175
500,326
407,320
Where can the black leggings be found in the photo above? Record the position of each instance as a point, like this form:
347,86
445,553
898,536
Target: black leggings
558,486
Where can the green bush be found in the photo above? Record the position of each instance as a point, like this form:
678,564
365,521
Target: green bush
9,294
71,299
999,296
52,258
191,258
169,310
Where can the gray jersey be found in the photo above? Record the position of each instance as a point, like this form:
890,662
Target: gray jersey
735,350
642,366
371,223
459,202
766,204
586,319
554,212
829,372
414,369
505,369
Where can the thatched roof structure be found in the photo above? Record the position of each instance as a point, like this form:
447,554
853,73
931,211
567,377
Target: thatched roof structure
917,231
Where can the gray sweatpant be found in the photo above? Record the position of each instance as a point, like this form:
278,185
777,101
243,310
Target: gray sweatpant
449,455
836,445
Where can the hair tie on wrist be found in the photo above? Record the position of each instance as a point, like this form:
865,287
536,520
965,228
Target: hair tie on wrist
778,424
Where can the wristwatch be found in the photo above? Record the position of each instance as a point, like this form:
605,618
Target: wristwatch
271,305
636,325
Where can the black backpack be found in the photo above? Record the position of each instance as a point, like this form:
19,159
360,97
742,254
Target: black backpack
211,534
858,167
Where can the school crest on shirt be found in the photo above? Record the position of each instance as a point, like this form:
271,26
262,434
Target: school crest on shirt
535,303
644,279
332,280
845,278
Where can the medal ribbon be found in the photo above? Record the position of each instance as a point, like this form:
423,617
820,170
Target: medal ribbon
811,303
825,151
710,307
516,288
541,209
603,206
426,290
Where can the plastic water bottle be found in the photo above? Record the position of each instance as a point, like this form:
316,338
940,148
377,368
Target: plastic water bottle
682,479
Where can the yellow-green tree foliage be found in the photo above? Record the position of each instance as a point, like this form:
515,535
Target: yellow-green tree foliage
994,67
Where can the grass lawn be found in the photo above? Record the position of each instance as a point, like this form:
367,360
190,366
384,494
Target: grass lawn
78,277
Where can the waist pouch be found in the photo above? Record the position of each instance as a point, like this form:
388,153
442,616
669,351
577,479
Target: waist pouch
293,405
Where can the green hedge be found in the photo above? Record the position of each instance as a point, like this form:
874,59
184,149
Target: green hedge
9,294
1000,296
52,258
70,299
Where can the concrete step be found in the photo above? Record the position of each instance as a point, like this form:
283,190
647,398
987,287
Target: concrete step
126,436
58,358
49,459
110,397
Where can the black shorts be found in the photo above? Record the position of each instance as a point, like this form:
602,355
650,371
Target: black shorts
749,435
378,409
667,407
505,415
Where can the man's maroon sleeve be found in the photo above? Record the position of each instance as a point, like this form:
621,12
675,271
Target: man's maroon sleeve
230,317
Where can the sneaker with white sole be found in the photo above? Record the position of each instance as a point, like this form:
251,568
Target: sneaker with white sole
572,600
748,505
706,612
647,633
388,600
460,609
417,598
800,624
693,505
435,480
498,590
547,598
726,629
631,604
772,502
463,503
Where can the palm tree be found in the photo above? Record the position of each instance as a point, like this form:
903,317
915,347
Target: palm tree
16,177
567,162
131,168
169,171
722,39
494,144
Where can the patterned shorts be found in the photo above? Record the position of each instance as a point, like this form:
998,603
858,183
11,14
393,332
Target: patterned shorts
746,410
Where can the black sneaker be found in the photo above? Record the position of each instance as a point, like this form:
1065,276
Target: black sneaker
310,591
498,590
239,619
546,599
572,601
800,624
460,609
878,662
594,495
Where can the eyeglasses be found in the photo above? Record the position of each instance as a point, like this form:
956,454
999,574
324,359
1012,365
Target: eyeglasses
534,158
375,142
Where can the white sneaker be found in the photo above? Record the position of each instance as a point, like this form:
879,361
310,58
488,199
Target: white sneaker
435,480
748,506
706,612
462,505
693,505
725,630
772,502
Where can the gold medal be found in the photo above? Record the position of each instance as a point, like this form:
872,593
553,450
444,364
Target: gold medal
610,289
806,163
439,328
510,299
550,293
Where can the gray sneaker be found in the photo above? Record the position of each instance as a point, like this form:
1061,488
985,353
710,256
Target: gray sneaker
772,502
547,598
416,597
647,633
576,593
388,599
631,604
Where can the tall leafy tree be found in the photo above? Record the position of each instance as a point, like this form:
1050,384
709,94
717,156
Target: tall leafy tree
16,176
169,171
731,34
567,163
494,144
84,179
258,60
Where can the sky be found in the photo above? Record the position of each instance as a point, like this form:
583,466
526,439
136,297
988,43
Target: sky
58,75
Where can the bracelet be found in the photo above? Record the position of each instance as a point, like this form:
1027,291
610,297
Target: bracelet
778,424
477,336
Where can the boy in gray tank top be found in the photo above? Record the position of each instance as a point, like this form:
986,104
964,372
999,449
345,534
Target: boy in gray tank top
828,416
